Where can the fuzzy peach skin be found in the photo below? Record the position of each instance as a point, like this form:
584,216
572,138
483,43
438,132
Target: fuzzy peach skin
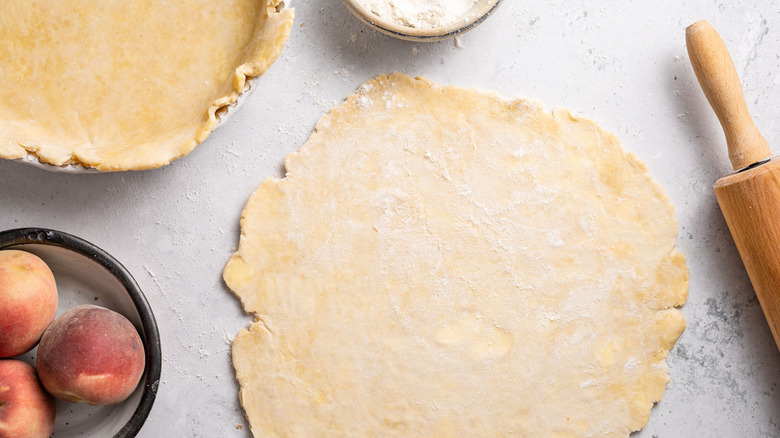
26,410
91,354
28,301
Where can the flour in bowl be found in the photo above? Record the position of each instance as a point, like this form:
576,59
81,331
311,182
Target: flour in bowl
422,14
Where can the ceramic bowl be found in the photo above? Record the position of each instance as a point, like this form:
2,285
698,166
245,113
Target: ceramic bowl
471,19
85,274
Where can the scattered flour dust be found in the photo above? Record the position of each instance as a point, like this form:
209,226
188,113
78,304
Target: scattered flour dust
422,14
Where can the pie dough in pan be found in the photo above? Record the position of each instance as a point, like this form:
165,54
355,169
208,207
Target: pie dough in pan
126,85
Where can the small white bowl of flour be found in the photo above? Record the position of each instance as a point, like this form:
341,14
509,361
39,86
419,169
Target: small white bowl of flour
422,20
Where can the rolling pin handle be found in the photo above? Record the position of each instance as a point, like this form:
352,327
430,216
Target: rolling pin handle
719,80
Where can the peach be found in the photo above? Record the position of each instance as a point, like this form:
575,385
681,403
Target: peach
91,354
26,410
28,301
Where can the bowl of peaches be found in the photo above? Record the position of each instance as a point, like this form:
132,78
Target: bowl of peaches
79,345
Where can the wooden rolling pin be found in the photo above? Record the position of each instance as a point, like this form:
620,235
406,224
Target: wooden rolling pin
750,197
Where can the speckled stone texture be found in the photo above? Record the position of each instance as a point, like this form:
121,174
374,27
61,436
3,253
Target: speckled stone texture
621,64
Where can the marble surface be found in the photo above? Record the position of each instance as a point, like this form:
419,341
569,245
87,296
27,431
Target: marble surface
623,64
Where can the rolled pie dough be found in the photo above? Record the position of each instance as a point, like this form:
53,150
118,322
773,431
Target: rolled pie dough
126,85
444,262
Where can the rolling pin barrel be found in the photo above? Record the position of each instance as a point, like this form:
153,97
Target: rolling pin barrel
750,202
749,199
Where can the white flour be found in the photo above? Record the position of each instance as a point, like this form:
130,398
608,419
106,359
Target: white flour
422,14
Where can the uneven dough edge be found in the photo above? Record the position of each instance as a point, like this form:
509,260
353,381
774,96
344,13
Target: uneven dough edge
240,276
269,39
670,322
271,32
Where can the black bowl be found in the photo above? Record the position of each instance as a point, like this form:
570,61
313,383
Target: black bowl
86,274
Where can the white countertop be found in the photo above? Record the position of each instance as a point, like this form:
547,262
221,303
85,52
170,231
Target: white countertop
623,65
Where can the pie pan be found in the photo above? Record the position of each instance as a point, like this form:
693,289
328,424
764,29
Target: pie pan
135,87
481,10
223,114
85,274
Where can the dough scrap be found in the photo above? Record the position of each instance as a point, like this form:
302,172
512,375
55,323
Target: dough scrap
126,85
443,262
